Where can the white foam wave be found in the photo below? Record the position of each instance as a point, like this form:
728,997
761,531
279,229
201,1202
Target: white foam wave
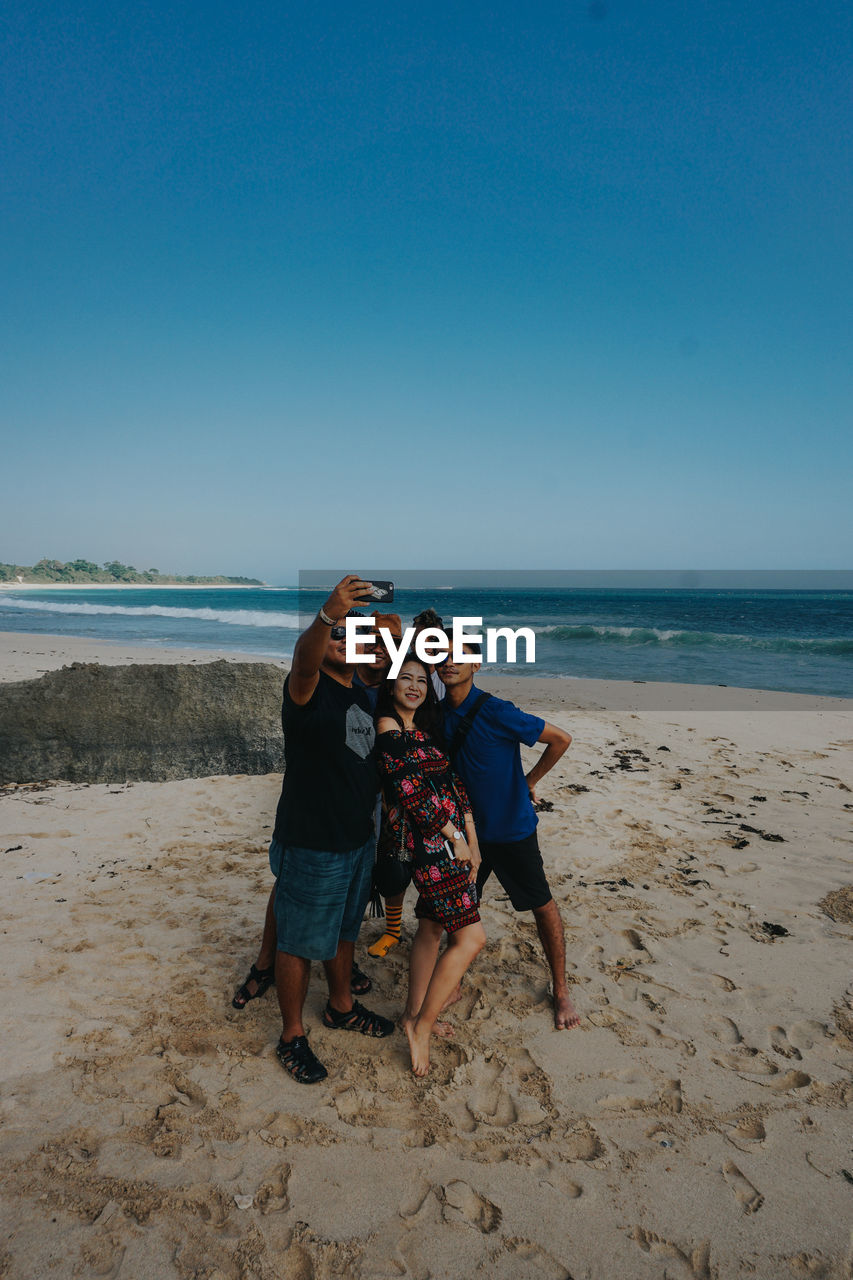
231,617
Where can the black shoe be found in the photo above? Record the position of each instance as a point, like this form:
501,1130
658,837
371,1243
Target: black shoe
263,977
360,984
299,1060
358,1019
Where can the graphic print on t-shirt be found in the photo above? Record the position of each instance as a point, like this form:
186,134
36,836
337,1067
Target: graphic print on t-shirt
360,732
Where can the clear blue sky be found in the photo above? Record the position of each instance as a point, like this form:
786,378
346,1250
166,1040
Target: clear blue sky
514,286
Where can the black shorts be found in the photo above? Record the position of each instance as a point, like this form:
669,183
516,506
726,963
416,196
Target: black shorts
518,867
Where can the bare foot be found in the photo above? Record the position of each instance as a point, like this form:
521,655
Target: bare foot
565,1013
444,1030
418,1048
456,994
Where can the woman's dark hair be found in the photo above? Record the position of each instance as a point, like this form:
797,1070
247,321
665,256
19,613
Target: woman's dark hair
427,716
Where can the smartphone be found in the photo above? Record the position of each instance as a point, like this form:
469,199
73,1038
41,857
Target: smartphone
380,593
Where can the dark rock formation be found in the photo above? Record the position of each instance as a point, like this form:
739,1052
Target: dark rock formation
146,723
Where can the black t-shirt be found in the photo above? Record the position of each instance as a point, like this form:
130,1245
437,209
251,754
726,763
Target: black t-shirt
329,788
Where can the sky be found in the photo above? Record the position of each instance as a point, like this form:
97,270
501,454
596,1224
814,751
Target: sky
526,287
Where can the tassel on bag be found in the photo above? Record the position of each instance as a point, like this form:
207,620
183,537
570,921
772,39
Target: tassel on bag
375,902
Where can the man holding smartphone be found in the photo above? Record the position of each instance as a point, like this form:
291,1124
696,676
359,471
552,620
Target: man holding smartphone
324,839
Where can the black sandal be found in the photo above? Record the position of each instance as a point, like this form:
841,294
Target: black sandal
358,1019
360,984
299,1060
264,978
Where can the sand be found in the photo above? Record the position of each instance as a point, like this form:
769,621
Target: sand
695,1125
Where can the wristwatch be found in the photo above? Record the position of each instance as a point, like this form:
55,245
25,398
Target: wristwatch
457,835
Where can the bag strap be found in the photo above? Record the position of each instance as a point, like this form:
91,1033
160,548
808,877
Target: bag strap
464,726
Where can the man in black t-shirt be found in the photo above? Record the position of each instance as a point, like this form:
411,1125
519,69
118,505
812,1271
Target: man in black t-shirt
324,837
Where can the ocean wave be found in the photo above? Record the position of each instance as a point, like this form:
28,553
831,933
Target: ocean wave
832,645
231,617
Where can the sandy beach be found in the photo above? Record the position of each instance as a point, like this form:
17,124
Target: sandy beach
695,1125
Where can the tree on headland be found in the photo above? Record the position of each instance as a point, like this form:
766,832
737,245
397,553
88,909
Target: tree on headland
122,572
49,570
113,571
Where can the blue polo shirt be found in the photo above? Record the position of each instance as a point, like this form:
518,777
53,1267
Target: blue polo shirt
490,766
371,691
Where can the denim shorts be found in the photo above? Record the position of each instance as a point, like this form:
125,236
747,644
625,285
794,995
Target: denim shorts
320,897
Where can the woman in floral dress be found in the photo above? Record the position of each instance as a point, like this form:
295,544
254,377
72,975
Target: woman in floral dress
429,821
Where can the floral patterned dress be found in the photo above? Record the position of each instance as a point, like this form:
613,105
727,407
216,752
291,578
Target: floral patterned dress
422,794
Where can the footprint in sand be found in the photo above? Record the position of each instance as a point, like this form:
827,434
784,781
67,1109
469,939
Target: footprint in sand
496,1100
790,1080
534,1261
724,1030
490,1103
814,1266
806,1034
271,1196
749,1129
697,1260
463,1204
746,1060
581,1144
780,1044
414,1198
102,1260
297,1264
671,1099
624,1102
749,1197
635,942
566,1187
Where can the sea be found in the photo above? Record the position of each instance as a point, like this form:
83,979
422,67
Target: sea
793,641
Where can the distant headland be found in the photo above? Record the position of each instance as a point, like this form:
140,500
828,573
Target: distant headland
111,573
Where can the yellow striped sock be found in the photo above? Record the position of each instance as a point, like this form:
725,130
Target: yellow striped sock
393,917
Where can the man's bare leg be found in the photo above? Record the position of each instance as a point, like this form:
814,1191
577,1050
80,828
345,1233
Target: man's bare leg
339,977
291,984
266,955
550,928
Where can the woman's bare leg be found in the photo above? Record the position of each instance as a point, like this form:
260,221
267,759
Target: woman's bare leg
462,947
422,961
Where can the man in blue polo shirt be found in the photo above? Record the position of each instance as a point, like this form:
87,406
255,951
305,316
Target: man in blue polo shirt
502,798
